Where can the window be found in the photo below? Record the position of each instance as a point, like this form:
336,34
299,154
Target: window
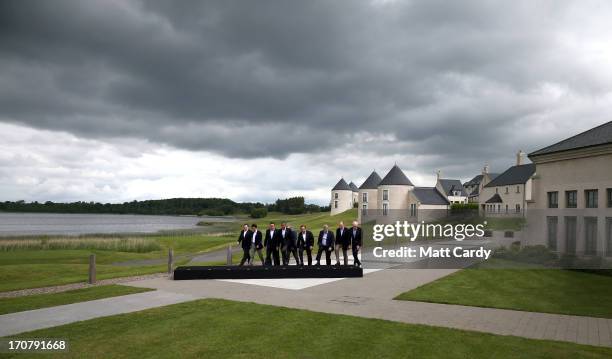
499,208
571,199
551,224
609,237
518,189
496,190
385,194
570,235
364,197
364,209
413,210
553,199
506,208
335,195
590,197
518,208
385,209
590,236
507,190
335,204
609,197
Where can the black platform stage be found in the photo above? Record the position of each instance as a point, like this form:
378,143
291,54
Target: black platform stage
264,272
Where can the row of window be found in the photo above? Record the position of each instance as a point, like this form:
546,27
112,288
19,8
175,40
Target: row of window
364,196
571,199
571,234
518,189
497,208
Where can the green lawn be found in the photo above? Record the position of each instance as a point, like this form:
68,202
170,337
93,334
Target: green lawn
224,329
19,304
527,289
23,269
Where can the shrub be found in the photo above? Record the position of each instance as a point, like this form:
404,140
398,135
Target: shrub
528,254
259,212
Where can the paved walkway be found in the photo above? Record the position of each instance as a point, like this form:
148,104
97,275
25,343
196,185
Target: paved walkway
370,297
15,323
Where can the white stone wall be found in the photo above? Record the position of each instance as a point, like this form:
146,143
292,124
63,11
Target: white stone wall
341,201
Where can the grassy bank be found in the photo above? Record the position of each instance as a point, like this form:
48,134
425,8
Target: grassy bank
32,262
533,289
31,268
38,301
226,329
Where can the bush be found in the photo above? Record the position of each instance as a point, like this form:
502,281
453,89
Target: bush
259,212
528,254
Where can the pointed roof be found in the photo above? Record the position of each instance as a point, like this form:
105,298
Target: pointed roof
395,177
353,187
496,198
451,185
371,182
513,175
599,135
342,186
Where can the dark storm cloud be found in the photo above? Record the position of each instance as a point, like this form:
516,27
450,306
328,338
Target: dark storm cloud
270,78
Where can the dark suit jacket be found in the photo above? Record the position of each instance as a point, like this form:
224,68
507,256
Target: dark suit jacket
305,240
355,239
258,242
290,239
330,239
345,238
245,239
274,242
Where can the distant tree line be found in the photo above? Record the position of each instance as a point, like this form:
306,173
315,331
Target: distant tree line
172,206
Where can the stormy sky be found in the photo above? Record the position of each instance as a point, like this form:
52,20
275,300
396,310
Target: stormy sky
253,100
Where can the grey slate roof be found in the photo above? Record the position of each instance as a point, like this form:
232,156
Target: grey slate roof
341,186
395,177
371,182
429,195
513,175
474,181
599,135
451,185
353,187
478,178
496,198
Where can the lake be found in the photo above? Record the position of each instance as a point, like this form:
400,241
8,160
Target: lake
12,224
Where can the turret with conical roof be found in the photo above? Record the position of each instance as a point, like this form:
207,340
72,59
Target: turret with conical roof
342,197
393,191
371,182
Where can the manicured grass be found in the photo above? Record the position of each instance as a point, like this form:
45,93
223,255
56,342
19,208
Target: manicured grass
225,329
19,304
532,289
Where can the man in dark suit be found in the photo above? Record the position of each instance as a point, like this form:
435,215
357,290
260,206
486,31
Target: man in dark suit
288,239
326,244
256,244
343,240
245,240
272,243
305,242
356,242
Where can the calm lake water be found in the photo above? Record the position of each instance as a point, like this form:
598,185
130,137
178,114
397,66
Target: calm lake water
75,224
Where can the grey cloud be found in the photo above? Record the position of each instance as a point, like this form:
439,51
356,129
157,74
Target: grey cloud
272,78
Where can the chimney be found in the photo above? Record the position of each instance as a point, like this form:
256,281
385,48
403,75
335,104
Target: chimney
519,157
485,169
438,175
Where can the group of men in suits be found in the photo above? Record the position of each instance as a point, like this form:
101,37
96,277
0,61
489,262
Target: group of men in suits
281,243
